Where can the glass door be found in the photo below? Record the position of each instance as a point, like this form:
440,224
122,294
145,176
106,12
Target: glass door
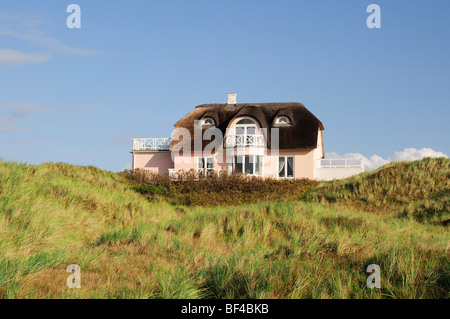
245,132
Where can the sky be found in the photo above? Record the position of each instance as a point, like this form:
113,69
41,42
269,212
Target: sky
134,68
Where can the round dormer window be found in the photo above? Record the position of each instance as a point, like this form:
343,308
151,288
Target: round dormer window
283,121
208,121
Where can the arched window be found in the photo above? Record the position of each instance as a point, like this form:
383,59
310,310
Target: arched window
245,132
208,121
283,121
245,127
245,121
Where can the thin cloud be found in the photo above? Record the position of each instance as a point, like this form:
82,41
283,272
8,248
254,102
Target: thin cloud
8,124
375,161
27,29
12,113
23,109
14,57
48,42
80,108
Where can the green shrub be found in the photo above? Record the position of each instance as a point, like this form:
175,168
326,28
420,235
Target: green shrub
197,190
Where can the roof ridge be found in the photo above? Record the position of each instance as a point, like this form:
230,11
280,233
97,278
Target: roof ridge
250,104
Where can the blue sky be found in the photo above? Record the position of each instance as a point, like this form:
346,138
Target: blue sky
135,67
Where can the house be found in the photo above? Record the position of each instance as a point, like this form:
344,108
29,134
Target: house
277,140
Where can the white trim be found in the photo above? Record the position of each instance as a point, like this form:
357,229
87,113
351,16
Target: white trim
205,162
278,123
245,138
151,144
254,163
242,140
208,124
341,163
286,167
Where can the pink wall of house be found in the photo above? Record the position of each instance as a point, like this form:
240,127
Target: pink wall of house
186,161
304,162
158,162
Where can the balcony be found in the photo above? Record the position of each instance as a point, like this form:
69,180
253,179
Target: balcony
336,168
341,163
244,140
151,144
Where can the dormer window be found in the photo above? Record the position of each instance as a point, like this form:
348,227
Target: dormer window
245,122
283,121
208,121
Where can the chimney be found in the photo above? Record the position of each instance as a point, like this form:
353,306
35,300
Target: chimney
231,100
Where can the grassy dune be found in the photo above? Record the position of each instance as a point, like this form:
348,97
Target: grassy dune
128,246
418,189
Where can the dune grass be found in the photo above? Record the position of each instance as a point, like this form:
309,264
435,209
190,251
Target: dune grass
418,190
53,215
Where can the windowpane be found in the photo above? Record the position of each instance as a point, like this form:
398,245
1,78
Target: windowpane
210,162
208,121
290,166
239,130
200,163
230,164
282,121
251,130
248,165
261,165
281,167
238,163
245,121
258,165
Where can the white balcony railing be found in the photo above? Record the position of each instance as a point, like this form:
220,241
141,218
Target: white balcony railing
341,163
337,168
151,144
244,140
179,172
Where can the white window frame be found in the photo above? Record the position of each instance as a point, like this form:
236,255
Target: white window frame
279,123
286,166
232,167
208,118
245,127
204,162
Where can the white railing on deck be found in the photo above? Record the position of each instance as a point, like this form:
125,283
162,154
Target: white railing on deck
244,140
151,144
175,173
341,163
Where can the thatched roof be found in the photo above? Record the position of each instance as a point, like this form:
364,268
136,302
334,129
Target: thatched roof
302,134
